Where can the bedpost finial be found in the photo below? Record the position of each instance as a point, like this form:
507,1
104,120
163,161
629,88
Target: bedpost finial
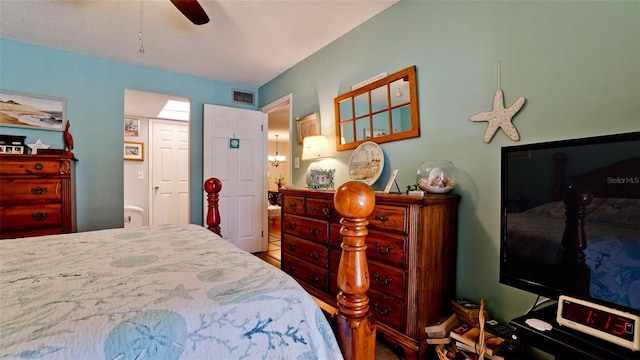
212,185
354,199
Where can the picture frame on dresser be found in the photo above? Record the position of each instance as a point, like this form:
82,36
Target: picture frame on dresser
11,149
322,178
32,111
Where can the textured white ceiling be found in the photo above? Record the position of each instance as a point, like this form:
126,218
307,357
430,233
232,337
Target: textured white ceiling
246,42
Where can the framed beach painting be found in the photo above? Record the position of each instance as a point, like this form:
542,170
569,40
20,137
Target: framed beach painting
32,111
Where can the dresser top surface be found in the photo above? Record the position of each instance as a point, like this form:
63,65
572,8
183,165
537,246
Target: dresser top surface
380,197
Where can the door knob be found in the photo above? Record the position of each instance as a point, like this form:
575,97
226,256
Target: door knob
156,188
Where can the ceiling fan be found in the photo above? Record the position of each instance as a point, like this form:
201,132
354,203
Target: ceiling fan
192,10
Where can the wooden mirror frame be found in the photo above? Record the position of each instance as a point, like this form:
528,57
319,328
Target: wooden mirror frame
408,74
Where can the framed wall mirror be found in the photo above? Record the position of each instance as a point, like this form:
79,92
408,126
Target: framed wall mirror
385,110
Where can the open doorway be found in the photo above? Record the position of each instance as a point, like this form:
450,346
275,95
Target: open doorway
279,166
148,197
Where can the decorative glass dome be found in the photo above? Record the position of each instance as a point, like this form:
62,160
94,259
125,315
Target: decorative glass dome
437,176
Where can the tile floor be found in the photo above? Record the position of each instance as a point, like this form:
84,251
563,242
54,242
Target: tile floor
272,256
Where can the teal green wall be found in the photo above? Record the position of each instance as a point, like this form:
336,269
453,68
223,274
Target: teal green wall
576,63
94,91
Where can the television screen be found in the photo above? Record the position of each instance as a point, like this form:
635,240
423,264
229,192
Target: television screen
570,219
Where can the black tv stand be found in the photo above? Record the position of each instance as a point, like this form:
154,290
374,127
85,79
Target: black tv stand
566,343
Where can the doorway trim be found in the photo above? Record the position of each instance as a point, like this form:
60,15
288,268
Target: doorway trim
285,100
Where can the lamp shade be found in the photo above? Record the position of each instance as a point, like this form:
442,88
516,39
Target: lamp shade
315,147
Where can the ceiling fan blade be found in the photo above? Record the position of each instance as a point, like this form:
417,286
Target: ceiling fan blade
192,10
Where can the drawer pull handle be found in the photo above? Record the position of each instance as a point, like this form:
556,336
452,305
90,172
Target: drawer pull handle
313,208
382,218
38,166
314,231
39,216
293,268
314,256
385,251
384,312
291,247
386,281
293,205
39,190
314,277
292,226
328,211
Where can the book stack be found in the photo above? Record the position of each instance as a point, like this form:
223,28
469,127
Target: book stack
466,339
467,311
441,328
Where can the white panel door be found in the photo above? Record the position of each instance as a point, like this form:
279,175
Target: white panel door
242,170
169,172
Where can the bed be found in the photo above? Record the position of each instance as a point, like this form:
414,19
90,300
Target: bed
172,292
589,237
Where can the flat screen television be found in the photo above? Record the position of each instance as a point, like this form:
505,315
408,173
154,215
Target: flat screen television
589,249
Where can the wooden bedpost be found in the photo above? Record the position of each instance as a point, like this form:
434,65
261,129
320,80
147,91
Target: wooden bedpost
213,186
355,325
559,160
574,240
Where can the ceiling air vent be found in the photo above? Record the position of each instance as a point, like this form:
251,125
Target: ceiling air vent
243,97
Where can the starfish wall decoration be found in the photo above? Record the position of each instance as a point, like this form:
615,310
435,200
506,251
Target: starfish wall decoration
500,117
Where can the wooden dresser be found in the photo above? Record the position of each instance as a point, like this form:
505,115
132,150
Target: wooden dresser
36,195
411,255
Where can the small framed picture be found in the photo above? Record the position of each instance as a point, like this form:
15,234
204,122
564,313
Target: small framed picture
11,149
308,126
322,178
133,151
392,178
131,127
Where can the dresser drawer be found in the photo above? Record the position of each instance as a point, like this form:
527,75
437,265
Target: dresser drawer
306,228
387,248
387,310
30,232
335,239
305,272
29,217
306,250
43,166
389,218
386,279
293,205
320,208
334,260
30,190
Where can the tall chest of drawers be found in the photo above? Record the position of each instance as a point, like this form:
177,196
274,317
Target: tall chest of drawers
36,195
411,256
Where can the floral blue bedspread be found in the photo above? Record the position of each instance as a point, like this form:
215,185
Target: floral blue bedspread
163,292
